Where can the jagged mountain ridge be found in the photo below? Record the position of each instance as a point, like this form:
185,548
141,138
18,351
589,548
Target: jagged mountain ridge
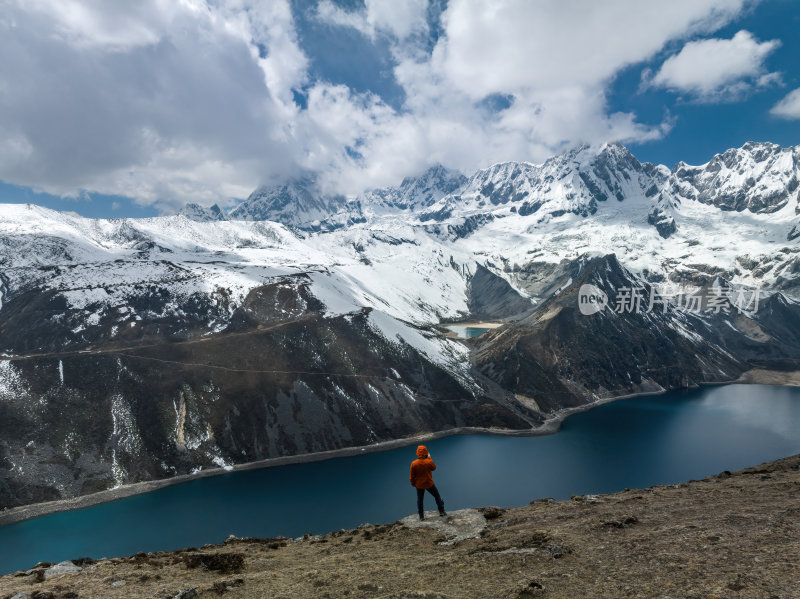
573,182
416,193
298,204
759,178
203,214
240,338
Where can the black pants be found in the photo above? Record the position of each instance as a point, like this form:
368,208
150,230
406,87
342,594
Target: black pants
433,491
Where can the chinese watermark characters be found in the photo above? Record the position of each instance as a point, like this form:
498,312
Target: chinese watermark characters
637,300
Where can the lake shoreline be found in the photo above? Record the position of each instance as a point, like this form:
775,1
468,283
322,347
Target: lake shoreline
550,426
444,327
694,538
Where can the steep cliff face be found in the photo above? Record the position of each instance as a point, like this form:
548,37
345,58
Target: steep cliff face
491,296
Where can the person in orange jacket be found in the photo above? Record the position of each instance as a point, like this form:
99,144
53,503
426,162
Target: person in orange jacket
422,480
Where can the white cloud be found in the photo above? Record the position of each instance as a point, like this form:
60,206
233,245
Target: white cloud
789,106
718,69
96,23
272,25
171,101
174,108
400,19
553,59
332,14
520,45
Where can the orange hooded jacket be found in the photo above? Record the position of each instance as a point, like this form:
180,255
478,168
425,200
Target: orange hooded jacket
421,469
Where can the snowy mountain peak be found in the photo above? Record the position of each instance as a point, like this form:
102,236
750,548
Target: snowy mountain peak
419,192
270,200
584,156
758,177
571,182
298,203
199,213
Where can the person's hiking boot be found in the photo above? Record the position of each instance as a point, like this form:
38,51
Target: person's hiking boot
443,514
422,516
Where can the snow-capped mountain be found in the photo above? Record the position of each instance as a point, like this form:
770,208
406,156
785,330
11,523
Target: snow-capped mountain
142,348
761,178
416,193
203,214
574,182
298,204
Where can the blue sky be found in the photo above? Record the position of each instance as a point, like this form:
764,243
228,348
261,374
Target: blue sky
704,129
133,109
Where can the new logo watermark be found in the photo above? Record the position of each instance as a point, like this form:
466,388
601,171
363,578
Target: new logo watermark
591,299
637,300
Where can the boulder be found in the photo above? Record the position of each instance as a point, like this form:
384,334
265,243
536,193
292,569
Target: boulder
456,526
61,568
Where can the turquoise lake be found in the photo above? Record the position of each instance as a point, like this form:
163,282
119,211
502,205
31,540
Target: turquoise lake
629,443
468,332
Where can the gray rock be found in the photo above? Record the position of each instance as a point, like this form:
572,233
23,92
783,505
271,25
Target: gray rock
592,499
61,568
33,571
490,296
21,596
456,526
119,583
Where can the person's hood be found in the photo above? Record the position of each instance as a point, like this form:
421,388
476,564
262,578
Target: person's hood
422,451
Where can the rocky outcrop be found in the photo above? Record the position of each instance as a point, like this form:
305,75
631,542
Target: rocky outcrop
663,222
456,526
492,297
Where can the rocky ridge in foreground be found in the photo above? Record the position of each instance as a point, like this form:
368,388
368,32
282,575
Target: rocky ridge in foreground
729,535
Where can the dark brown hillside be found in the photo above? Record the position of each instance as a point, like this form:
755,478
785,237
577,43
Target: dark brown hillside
270,387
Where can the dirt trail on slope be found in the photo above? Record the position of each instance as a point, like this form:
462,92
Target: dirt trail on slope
130,348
